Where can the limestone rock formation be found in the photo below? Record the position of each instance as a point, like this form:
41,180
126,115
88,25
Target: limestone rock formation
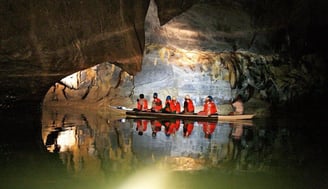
269,51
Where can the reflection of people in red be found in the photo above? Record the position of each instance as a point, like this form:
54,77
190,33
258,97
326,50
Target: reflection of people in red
208,128
177,125
209,107
188,126
156,126
171,127
141,126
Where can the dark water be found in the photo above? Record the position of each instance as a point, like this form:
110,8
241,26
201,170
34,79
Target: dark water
65,149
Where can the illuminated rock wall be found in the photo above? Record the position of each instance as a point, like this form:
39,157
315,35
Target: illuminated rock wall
207,50
261,52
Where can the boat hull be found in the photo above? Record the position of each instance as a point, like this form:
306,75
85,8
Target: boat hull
153,115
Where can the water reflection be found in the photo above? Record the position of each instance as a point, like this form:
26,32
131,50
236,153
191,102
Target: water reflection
179,144
103,149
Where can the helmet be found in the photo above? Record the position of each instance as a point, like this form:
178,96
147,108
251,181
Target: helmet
142,96
155,95
168,97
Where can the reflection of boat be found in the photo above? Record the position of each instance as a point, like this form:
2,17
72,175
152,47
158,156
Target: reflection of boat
153,115
243,122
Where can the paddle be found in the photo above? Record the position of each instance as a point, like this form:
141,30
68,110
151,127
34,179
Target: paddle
121,108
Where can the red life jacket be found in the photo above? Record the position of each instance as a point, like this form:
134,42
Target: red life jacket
138,105
170,106
156,125
189,106
143,104
157,105
170,127
142,125
177,122
209,127
187,128
211,108
177,106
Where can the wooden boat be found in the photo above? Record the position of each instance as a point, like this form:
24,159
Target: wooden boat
153,115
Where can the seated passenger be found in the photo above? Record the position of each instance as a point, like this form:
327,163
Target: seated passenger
238,106
142,104
188,105
169,106
138,106
156,105
176,104
209,107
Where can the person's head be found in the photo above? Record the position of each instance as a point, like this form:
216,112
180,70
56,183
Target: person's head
155,95
239,98
174,99
187,97
210,98
141,96
168,97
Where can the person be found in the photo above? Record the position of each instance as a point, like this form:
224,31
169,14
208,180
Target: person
188,105
169,106
156,104
138,106
209,107
238,106
142,104
176,104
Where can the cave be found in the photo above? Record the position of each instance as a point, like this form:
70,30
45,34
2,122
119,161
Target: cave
279,48
82,55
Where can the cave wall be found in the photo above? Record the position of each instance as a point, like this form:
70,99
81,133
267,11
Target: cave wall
42,42
261,51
